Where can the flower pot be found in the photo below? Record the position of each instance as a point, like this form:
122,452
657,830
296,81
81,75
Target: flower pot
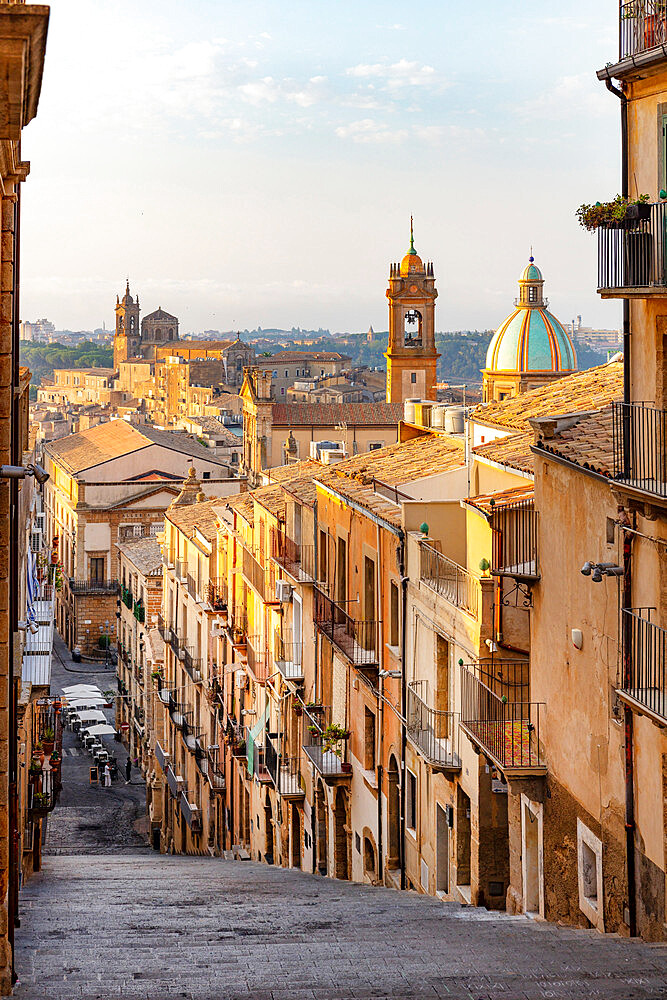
346,768
641,210
298,711
48,746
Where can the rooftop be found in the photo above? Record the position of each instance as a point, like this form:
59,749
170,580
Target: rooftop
331,414
144,553
305,356
113,439
513,451
488,502
101,372
587,442
583,390
200,515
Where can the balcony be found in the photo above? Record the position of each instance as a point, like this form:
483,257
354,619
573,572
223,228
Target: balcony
254,573
644,679
168,557
433,732
514,549
194,589
214,773
93,586
296,559
161,756
259,768
285,772
326,755
498,717
191,812
139,611
288,655
180,570
631,255
192,664
640,449
448,579
174,781
258,658
126,596
216,594
643,26
356,640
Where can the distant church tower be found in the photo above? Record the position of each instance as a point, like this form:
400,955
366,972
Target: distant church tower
128,335
411,354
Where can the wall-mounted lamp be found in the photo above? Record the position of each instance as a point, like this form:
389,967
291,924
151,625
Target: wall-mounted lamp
21,471
597,570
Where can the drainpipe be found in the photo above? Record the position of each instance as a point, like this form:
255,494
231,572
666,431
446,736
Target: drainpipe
380,701
13,902
404,739
627,562
629,736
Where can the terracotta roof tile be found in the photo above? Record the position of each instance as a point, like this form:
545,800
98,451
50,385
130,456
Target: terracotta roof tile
488,502
595,387
201,516
331,414
306,356
144,553
513,451
588,443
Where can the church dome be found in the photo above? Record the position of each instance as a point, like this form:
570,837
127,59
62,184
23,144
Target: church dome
411,262
531,339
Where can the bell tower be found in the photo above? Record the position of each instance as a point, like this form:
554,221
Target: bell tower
411,354
128,335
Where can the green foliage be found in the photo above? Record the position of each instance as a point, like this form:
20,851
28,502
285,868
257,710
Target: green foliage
41,359
605,213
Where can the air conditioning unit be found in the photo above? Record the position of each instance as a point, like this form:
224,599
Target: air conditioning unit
40,521
241,680
36,539
283,591
217,629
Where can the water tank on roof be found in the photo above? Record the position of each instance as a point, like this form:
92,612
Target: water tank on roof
423,411
409,410
330,456
316,448
454,422
438,416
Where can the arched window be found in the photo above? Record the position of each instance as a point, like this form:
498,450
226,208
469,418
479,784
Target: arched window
413,328
158,333
171,332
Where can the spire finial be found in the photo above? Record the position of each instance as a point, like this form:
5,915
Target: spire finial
412,238
531,258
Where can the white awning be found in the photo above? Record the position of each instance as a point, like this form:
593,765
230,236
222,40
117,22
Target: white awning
100,730
91,715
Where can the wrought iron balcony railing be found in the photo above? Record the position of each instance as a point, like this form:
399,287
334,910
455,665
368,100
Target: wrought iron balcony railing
285,772
644,674
640,447
93,586
214,772
161,756
631,253
288,655
498,716
258,658
254,572
216,593
174,781
295,558
434,732
194,589
643,26
191,811
328,756
515,540
447,578
192,664
356,640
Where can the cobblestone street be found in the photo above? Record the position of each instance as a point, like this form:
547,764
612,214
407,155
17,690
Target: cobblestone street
107,917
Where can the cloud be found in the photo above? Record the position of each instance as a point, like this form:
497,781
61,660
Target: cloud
393,76
370,131
579,95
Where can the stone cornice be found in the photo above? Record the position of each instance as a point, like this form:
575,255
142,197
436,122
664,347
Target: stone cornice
23,29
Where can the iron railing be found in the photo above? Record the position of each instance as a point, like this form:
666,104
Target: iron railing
497,714
515,540
216,593
644,661
285,772
329,758
640,447
191,811
193,665
433,731
295,558
162,756
448,579
643,25
174,781
356,640
193,588
93,586
631,252
258,658
180,569
288,655
214,773
254,572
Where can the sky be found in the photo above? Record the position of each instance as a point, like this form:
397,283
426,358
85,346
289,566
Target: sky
256,163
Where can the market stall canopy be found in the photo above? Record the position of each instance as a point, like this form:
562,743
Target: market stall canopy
87,688
101,730
87,701
91,715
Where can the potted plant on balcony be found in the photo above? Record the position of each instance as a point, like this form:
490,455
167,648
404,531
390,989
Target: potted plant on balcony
48,740
332,742
34,770
40,803
55,761
298,709
613,214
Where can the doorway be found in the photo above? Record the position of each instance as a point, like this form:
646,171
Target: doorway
442,851
342,838
394,811
296,836
322,823
531,849
268,832
463,842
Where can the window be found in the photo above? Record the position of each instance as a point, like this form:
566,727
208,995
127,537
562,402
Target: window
413,377
322,557
286,374
393,614
375,445
411,801
369,739
532,294
282,391
97,569
206,475
589,865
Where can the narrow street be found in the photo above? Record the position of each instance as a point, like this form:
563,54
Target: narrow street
107,917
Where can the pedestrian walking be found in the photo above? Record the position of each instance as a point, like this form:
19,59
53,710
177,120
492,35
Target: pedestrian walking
128,770
107,776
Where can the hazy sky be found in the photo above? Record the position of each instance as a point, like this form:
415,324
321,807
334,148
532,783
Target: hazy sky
257,162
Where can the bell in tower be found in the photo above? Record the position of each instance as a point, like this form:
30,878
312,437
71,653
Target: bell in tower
127,336
411,355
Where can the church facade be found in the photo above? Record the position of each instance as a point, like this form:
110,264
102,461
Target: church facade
133,339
